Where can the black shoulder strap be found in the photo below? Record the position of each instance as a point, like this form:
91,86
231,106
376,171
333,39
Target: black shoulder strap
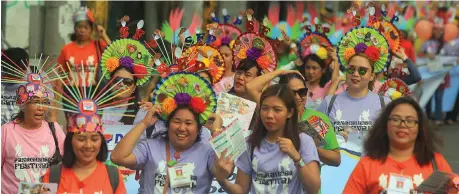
113,176
434,164
381,100
55,173
330,105
150,131
53,131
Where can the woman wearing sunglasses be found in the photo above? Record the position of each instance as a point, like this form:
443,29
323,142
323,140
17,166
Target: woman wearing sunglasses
399,146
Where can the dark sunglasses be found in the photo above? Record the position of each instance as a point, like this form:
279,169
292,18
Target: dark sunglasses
126,81
301,92
361,70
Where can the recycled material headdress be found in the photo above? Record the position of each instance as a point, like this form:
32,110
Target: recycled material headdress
185,89
83,14
315,42
33,80
128,53
291,27
385,27
364,40
255,46
394,88
227,31
172,27
204,58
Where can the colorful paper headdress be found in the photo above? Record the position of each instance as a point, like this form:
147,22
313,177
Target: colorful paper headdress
254,45
173,27
185,89
385,27
83,14
394,88
291,27
315,42
33,80
363,40
130,54
227,31
203,58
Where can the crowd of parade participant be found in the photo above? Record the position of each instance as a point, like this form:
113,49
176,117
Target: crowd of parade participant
355,92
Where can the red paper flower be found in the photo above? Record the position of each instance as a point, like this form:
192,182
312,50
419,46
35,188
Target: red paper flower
373,53
163,70
140,70
124,32
152,43
198,105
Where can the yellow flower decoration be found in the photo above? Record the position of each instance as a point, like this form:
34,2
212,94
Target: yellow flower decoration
232,44
383,50
242,53
348,53
112,63
169,105
206,61
322,53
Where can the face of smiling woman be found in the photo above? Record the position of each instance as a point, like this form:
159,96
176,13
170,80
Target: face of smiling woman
86,146
183,129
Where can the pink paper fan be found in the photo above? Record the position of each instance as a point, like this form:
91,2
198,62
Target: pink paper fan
245,40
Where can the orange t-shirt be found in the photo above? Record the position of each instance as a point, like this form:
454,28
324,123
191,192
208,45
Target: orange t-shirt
370,176
97,182
79,57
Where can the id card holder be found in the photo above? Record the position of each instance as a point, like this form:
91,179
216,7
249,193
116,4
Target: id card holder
180,175
399,184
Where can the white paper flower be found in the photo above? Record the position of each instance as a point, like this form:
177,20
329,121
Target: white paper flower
314,48
383,181
417,179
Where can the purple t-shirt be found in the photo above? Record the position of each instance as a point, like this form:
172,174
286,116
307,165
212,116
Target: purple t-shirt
273,171
151,154
353,115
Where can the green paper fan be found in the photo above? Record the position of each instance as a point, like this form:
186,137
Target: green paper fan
369,36
128,48
189,83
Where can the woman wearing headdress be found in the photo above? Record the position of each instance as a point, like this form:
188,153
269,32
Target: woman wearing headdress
184,101
83,54
29,143
85,148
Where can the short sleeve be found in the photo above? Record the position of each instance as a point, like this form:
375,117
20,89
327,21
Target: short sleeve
61,58
308,149
210,159
442,163
244,162
60,137
121,189
324,105
103,44
142,152
357,181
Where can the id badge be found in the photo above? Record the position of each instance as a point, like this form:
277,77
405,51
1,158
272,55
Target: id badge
180,175
399,184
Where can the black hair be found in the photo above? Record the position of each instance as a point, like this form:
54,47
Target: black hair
246,65
285,79
126,119
326,76
69,157
16,55
73,36
164,135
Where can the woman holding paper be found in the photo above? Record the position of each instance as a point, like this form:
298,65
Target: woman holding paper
180,150
279,159
399,146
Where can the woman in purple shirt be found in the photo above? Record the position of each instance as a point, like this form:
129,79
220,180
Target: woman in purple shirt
280,159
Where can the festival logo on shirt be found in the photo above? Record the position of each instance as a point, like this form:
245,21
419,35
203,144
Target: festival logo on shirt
87,71
272,181
363,124
30,169
160,180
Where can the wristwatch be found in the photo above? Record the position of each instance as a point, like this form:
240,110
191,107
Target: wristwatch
300,163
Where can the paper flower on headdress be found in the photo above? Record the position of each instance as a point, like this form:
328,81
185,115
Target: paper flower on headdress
227,30
204,58
315,40
394,88
173,26
386,28
255,47
130,54
367,41
33,81
83,14
185,89
291,27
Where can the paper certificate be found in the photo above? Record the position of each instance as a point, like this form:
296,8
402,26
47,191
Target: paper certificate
231,139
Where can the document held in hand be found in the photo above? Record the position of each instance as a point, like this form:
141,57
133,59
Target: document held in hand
231,107
231,139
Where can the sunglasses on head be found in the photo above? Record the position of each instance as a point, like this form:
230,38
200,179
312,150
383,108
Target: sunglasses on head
360,70
301,92
126,81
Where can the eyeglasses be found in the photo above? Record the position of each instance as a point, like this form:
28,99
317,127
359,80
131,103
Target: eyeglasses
361,70
301,92
126,81
395,121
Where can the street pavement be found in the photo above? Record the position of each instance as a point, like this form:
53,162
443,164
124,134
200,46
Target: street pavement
450,135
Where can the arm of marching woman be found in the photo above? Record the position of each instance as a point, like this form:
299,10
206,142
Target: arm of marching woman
414,76
309,174
329,154
123,153
255,87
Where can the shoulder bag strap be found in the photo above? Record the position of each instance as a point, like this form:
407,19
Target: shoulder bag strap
434,164
330,105
113,176
3,147
53,131
55,173
98,65
168,158
381,100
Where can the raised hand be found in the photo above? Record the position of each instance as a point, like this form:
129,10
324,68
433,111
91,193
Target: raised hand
400,54
286,146
151,118
223,166
101,30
